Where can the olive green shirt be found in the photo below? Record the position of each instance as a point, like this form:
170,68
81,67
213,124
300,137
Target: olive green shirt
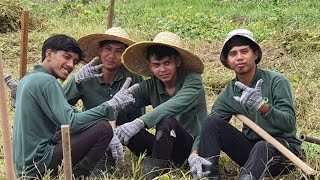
187,104
96,91
279,121
41,109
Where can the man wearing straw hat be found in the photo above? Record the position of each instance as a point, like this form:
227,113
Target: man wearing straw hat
176,92
107,48
264,97
41,108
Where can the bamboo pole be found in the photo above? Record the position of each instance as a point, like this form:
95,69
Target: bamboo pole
309,139
110,14
7,145
298,162
24,43
67,162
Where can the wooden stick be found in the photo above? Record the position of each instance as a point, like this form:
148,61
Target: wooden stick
24,43
110,15
308,170
309,139
7,145
67,162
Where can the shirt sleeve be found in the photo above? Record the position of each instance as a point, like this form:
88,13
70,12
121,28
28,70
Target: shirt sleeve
56,108
180,103
281,113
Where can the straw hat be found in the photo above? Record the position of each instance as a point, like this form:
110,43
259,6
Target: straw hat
239,32
134,57
90,43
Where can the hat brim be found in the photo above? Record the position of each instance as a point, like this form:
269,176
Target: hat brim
135,60
90,44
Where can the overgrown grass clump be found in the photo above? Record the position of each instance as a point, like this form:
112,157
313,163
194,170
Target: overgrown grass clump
288,31
10,13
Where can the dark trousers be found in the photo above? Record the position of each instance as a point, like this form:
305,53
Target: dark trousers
141,143
172,141
254,156
89,144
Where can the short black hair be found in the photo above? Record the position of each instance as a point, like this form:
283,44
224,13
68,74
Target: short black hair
159,52
239,41
105,42
61,42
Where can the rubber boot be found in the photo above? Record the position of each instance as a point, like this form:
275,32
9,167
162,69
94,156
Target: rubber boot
106,163
214,168
246,177
153,167
83,168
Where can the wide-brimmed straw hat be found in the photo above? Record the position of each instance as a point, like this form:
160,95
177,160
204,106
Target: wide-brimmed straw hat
90,43
134,57
238,32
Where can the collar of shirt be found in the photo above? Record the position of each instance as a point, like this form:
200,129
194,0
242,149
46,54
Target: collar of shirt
179,83
41,68
119,76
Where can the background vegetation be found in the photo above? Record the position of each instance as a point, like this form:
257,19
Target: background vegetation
288,31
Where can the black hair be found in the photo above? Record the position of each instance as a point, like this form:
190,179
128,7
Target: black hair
61,42
159,52
105,42
239,41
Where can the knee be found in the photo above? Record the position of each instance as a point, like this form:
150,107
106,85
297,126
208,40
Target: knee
104,127
166,123
261,145
260,148
212,122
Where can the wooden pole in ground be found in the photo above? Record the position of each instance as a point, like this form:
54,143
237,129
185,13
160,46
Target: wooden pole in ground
24,43
262,133
110,14
7,145
67,162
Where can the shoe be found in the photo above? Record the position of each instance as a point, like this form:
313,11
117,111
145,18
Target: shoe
153,167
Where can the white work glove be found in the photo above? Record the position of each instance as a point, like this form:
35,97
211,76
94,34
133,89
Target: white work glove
196,162
123,97
127,130
12,84
116,149
89,71
251,97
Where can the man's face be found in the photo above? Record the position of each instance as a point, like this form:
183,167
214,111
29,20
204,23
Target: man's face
165,69
61,63
242,59
110,55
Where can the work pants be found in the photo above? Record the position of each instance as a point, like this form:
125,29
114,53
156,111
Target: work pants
256,157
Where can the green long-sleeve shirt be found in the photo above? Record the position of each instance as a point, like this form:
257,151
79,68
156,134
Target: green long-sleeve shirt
96,91
279,121
187,104
41,108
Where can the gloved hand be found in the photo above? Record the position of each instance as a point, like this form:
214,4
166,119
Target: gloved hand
251,97
89,71
123,97
196,162
116,149
127,130
12,84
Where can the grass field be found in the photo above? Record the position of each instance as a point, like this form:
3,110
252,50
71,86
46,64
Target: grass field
288,31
